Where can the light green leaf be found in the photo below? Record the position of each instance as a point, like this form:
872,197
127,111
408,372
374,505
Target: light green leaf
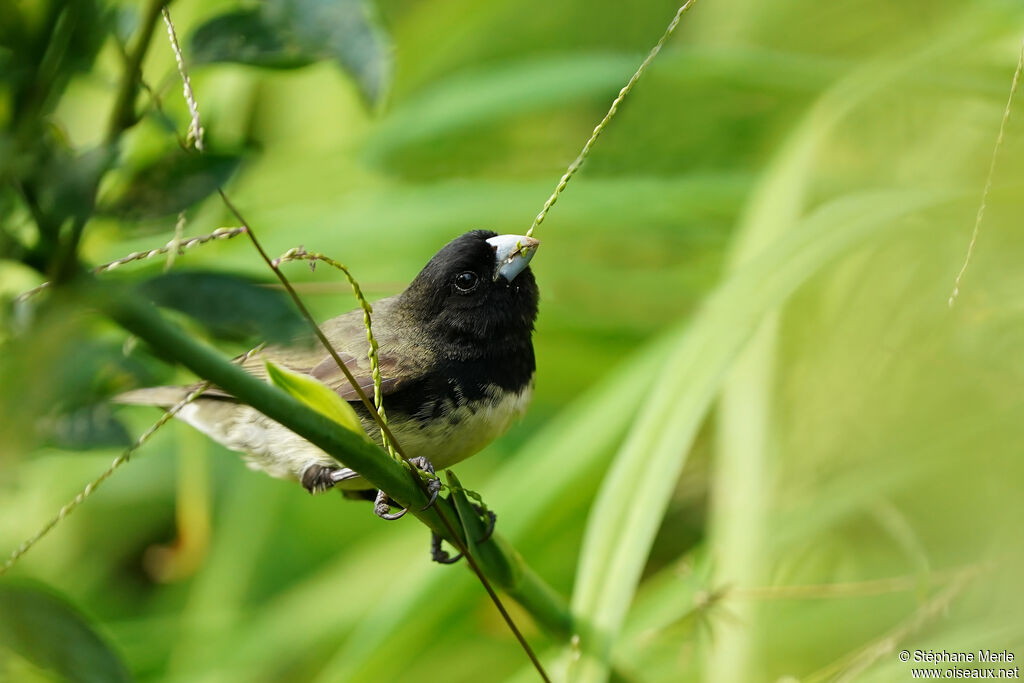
316,395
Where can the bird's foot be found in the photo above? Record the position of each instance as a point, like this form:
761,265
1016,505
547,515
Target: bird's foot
382,504
318,478
441,556
433,482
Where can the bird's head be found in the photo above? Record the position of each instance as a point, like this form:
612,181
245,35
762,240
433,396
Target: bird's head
478,287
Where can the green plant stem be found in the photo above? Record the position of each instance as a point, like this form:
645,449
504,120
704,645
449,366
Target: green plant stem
122,117
508,569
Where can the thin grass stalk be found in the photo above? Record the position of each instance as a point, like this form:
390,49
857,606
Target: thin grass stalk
612,110
300,254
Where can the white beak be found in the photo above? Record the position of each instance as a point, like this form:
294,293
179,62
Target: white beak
512,253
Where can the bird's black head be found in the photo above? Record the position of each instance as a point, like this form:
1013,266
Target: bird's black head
478,288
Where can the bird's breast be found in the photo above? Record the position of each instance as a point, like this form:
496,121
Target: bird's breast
453,426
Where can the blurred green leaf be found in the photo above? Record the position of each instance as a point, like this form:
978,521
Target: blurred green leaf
483,97
285,34
246,37
84,428
39,57
173,183
67,181
229,307
49,632
316,395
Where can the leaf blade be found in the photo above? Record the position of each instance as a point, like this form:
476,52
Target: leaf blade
230,307
171,184
316,395
289,34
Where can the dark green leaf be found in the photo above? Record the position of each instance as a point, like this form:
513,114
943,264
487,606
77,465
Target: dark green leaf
172,184
245,37
50,633
230,307
84,428
292,33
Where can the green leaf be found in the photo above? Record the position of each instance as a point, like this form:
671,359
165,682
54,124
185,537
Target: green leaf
316,395
172,184
285,34
84,428
469,101
48,631
245,37
229,307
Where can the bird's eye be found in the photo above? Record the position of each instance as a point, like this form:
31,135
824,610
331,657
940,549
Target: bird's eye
466,281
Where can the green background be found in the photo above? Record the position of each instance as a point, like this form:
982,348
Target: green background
752,396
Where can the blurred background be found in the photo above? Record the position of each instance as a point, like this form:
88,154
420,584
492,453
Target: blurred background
763,446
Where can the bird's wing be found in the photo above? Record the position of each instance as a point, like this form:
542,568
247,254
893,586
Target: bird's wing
400,361
347,334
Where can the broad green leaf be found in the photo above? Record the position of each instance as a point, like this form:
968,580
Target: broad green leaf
316,395
47,631
230,307
174,183
286,34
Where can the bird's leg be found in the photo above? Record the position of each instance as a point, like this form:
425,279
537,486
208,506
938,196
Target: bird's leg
441,556
382,504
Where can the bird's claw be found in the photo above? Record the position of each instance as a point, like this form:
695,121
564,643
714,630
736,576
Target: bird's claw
491,523
441,556
382,504
382,507
434,490
433,482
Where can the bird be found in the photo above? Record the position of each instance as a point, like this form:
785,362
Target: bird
456,364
